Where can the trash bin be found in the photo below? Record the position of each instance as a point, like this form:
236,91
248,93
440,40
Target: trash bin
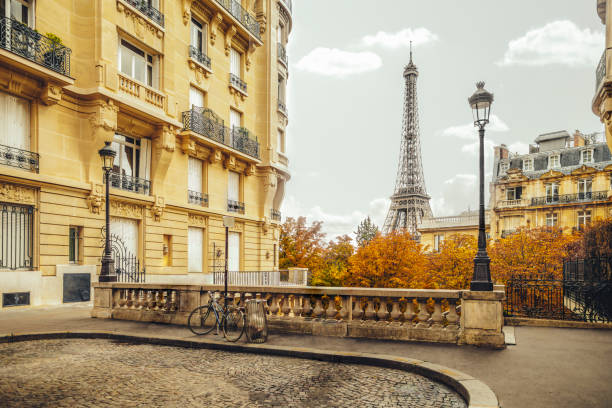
256,321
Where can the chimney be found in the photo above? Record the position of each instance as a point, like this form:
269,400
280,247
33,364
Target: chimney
578,139
534,148
501,152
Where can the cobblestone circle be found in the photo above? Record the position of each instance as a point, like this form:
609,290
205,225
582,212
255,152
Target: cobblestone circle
69,373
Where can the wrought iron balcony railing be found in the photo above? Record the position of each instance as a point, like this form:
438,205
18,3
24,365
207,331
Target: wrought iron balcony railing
570,198
196,197
282,108
22,159
275,214
248,21
600,73
205,122
145,8
199,56
282,54
235,206
238,83
30,44
129,183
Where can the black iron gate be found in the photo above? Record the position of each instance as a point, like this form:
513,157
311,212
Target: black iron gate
127,265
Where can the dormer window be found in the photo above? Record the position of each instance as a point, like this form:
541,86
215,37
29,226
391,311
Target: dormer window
528,165
586,156
554,161
503,167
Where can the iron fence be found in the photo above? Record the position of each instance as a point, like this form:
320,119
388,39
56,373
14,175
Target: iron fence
199,56
600,72
20,39
127,265
196,197
570,198
282,108
22,159
235,206
130,183
16,236
239,13
590,269
148,10
242,141
237,82
282,54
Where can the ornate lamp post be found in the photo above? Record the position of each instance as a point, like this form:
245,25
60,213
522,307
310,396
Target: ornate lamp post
108,265
481,102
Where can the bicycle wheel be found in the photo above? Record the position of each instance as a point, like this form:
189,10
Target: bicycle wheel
233,324
202,320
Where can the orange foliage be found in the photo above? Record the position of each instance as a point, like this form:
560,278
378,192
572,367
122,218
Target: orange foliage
453,266
301,246
335,270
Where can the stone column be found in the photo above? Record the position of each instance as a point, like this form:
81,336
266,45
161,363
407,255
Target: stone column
482,319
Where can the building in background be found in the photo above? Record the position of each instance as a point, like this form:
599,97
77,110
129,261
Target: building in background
191,94
564,181
602,101
437,229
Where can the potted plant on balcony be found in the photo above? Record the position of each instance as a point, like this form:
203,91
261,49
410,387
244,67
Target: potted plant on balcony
54,56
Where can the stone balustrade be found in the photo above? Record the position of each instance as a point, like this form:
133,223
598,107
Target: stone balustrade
141,91
397,314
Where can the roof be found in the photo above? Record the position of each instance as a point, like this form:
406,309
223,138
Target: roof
560,134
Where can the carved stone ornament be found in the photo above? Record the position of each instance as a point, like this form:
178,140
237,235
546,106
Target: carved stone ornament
166,139
17,194
197,220
201,72
239,96
238,227
188,145
229,162
249,55
265,226
214,25
186,11
51,94
229,34
215,157
140,24
249,170
270,182
105,117
95,200
127,210
158,208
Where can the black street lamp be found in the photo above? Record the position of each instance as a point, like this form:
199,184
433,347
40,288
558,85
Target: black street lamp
107,273
480,103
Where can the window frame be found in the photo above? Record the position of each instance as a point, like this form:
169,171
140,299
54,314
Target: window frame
77,256
552,219
551,191
584,218
514,195
30,5
504,167
558,161
239,186
528,164
588,152
203,33
151,64
584,187
235,52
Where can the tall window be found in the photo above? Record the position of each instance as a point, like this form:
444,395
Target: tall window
195,249
16,236
198,36
233,253
438,239
138,64
585,188
503,167
233,186
528,165
552,192
196,97
235,62
20,10
586,156
194,175
74,244
281,141
514,193
126,230
14,121
133,157
584,218
235,119
551,220
555,161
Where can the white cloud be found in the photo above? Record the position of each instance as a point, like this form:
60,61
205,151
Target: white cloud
474,148
468,131
339,63
459,194
519,147
400,39
560,42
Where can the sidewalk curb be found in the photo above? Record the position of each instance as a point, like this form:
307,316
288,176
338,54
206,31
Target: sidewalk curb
475,392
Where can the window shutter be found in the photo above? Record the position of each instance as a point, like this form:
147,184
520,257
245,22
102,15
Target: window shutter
196,97
194,176
145,159
233,253
235,118
16,131
235,62
195,249
233,186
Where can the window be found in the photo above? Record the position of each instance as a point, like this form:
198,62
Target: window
137,64
551,220
555,161
75,241
195,249
133,157
235,62
584,218
514,193
194,176
235,119
584,188
196,97
281,89
126,230
552,192
16,236
198,36
233,253
167,251
503,167
528,165
15,123
586,156
438,239
279,33
233,186
281,141
20,10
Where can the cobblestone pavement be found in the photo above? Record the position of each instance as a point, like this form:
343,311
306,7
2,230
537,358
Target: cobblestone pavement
68,373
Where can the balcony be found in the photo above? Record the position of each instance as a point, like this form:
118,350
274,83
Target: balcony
237,83
129,183
570,198
206,123
244,17
600,72
235,206
141,91
275,215
282,108
282,55
22,159
455,221
21,40
198,198
151,12
199,57
512,203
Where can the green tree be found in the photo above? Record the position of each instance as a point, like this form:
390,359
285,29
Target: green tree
366,232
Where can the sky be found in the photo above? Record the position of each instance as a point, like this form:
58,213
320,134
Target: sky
345,95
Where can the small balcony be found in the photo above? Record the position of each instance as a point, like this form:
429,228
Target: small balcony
199,57
570,198
145,8
197,198
25,42
236,10
238,83
235,206
282,55
275,215
141,91
282,108
130,183
600,72
19,158
512,203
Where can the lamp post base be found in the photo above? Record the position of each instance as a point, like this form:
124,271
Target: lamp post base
107,278
107,270
481,280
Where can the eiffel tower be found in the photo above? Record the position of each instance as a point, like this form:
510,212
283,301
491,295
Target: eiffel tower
409,202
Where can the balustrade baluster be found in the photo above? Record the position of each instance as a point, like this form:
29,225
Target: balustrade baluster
423,315
274,308
318,309
395,312
296,306
330,311
285,308
409,313
382,311
436,317
357,310
345,306
452,317
306,307
370,313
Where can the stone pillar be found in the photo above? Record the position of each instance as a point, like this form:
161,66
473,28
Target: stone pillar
103,302
482,319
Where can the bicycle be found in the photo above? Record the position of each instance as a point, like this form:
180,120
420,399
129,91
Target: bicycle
204,319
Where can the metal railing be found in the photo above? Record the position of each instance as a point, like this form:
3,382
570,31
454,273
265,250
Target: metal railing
242,141
199,56
16,236
275,214
22,159
285,277
282,54
196,197
239,13
591,269
130,183
237,83
145,8
30,44
235,206
600,72
570,198
282,108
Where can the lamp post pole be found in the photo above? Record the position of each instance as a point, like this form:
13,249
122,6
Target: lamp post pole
108,264
228,222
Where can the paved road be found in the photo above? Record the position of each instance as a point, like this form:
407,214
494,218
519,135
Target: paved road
549,367
69,373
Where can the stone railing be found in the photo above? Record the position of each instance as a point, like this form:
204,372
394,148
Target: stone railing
512,203
136,89
600,72
447,316
452,221
285,277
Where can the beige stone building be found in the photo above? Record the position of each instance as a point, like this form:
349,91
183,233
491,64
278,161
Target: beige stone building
191,94
602,100
436,229
564,181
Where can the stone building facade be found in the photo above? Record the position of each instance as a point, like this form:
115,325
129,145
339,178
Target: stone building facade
191,96
602,100
565,181
435,230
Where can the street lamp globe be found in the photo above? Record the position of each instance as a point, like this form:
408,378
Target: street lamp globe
108,156
480,102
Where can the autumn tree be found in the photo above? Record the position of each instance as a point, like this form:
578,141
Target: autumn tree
452,267
335,268
596,241
366,231
394,260
301,246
